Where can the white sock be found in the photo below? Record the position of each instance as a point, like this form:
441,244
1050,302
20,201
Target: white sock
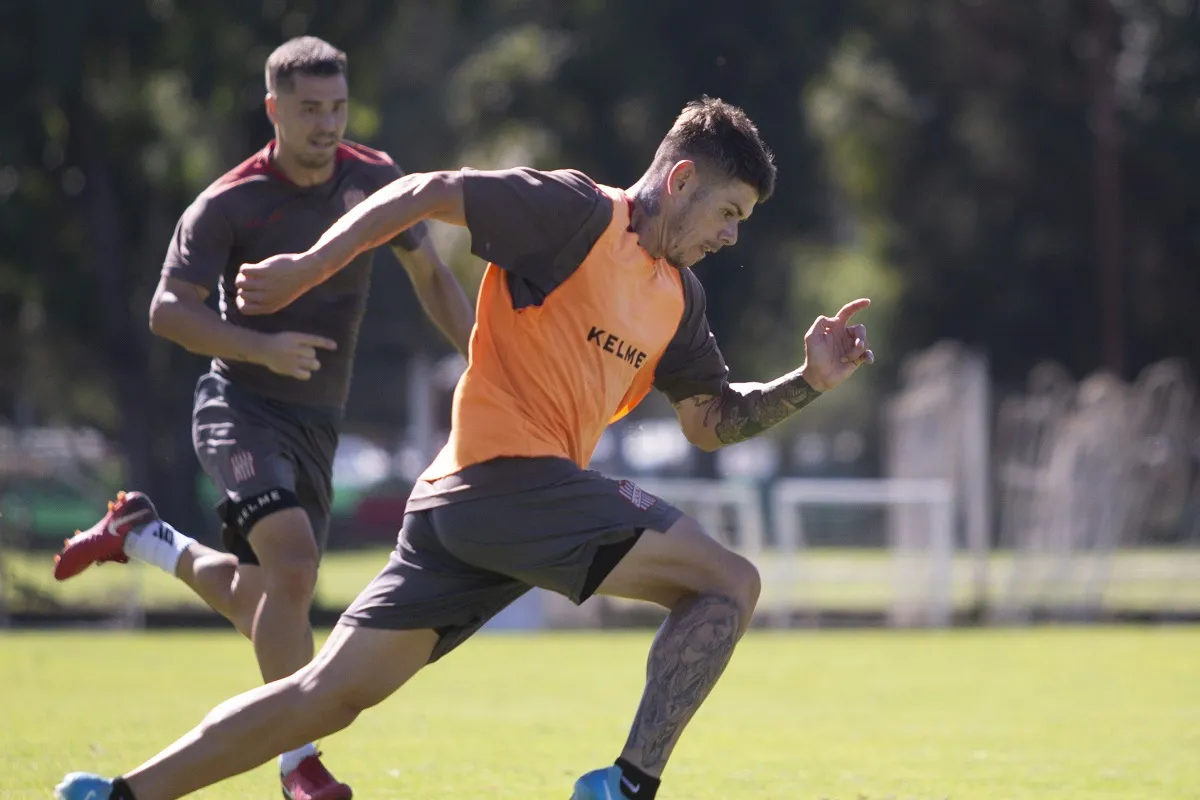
158,544
291,759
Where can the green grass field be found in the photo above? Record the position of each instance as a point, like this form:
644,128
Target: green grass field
1054,713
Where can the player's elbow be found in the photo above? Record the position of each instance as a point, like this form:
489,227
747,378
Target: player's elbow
703,437
696,420
438,195
164,315
157,317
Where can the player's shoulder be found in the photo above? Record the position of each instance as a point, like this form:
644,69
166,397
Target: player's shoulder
374,166
578,180
246,178
574,178
356,154
255,169
574,175
360,159
553,186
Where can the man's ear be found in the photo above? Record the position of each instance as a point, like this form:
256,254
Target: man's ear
680,176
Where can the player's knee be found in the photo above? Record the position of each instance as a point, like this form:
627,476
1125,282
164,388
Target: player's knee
292,580
721,570
751,586
717,570
742,583
287,555
727,573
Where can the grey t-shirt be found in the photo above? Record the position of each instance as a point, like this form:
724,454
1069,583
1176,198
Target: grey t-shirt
254,212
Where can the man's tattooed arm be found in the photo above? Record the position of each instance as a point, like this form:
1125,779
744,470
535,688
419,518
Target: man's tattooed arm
743,410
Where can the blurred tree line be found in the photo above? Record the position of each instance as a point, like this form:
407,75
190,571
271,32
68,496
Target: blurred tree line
1015,175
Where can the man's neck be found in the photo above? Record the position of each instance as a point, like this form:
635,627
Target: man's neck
646,219
299,174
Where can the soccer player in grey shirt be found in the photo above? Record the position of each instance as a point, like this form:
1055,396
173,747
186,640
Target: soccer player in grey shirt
266,414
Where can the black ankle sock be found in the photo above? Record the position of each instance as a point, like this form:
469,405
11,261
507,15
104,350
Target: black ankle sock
635,784
121,790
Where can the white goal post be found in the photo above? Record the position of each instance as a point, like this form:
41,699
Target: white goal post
921,544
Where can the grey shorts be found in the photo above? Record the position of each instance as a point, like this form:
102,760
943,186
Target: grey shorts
264,456
520,523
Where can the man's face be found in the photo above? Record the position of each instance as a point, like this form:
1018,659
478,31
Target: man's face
702,212
310,117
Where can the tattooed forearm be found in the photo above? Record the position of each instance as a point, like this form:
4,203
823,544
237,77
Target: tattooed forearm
688,655
747,409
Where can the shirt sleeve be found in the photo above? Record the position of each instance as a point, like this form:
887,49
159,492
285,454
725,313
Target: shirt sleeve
537,225
201,247
410,238
692,364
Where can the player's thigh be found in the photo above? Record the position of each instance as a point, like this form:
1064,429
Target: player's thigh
664,566
360,667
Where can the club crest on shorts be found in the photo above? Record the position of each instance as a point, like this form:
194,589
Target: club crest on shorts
353,196
242,463
638,497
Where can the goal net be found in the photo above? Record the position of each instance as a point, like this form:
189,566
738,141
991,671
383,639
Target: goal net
1100,497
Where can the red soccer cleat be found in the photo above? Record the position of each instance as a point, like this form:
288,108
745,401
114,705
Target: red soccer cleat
311,781
105,541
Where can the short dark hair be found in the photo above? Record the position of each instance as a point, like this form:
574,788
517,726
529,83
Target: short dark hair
306,54
713,131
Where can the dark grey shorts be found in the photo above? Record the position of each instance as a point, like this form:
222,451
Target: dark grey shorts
460,562
263,455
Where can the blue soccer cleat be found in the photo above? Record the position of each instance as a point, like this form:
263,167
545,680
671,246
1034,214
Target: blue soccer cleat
600,784
83,786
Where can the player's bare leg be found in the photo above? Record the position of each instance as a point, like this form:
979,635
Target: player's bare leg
689,654
356,669
276,622
711,593
288,561
232,592
269,603
273,599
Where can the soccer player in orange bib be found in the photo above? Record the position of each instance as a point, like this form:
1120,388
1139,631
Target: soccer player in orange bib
588,302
